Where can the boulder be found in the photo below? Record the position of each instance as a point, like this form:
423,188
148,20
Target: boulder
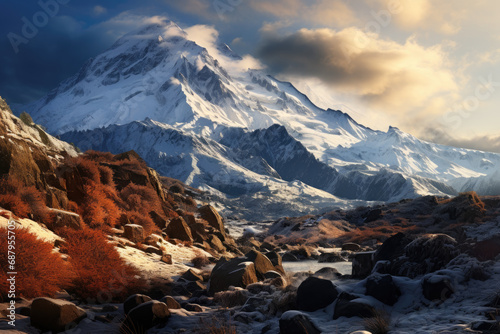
383,288
216,244
294,322
315,293
373,215
331,257
272,274
66,219
487,249
133,301
192,276
350,306
261,262
167,258
55,315
158,220
289,257
392,248
198,231
327,273
351,246
179,229
213,218
134,232
275,258
193,307
153,250
437,288
171,303
362,264
231,273
145,316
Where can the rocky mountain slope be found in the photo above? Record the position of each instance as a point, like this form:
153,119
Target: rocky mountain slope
242,135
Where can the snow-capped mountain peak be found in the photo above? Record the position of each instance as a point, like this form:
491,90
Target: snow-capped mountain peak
244,133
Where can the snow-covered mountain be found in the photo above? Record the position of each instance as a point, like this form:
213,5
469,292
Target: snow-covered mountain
247,137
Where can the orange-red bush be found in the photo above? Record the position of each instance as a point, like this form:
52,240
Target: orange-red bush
98,209
139,218
14,203
100,272
42,272
22,200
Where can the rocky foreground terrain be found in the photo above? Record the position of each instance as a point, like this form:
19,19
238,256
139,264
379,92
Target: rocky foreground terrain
106,245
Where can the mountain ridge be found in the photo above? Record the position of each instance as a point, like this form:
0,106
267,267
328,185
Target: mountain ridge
158,80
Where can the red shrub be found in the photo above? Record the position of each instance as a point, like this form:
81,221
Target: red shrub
41,271
36,201
98,208
15,204
89,170
106,176
100,273
98,156
144,220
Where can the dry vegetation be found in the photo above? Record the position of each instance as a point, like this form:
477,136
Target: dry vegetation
105,191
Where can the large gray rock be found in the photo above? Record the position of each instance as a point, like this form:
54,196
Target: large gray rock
55,315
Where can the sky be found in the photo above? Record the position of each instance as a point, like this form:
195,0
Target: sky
430,68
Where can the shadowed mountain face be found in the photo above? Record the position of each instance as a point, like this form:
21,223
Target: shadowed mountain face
245,137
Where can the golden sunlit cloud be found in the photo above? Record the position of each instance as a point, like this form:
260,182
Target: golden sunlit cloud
403,80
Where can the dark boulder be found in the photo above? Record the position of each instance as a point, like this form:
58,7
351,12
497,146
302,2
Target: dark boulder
437,288
487,249
392,248
315,293
231,273
349,306
294,322
55,315
179,229
383,288
145,316
331,257
171,303
213,218
362,264
351,246
134,301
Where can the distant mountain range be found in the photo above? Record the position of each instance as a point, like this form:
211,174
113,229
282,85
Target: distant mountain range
260,147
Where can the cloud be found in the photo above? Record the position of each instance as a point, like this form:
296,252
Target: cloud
208,37
99,10
439,16
404,80
322,12
487,143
